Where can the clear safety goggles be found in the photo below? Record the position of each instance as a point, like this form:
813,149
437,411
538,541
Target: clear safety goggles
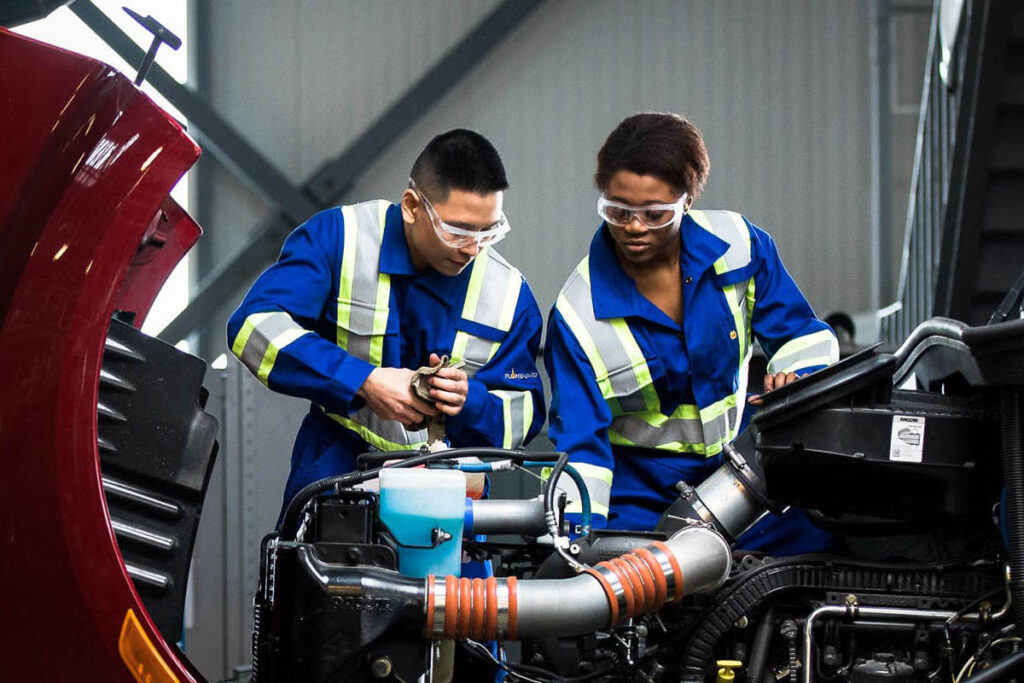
652,215
456,237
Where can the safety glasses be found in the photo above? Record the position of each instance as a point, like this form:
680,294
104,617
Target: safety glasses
651,215
458,238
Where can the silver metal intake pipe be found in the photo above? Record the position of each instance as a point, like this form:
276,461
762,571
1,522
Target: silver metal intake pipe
507,517
732,499
725,500
695,559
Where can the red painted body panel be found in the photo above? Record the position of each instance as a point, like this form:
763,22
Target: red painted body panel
86,163
171,233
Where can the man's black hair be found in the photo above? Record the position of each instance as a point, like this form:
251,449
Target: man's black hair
459,159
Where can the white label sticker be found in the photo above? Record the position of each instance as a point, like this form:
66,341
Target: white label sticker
907,441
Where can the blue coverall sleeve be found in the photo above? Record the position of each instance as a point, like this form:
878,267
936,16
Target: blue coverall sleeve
274,331
793,338
580,415
505,404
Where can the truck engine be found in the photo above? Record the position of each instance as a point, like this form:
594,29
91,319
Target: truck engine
909,480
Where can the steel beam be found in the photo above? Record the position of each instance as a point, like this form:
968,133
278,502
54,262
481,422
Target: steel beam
217,136
880,36
329,184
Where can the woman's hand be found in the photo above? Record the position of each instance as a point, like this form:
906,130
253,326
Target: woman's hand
779,379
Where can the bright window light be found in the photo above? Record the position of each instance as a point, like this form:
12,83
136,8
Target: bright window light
63,29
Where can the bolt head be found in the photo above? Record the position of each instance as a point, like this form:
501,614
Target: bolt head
381,667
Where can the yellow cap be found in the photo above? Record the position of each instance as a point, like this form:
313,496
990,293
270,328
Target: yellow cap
725,669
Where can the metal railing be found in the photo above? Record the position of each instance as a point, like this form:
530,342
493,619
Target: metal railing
941,139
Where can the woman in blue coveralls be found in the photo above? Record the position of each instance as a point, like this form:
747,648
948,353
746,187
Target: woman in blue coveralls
649,341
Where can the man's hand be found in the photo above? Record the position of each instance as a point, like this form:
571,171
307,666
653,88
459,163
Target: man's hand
448,388
388,393
779,379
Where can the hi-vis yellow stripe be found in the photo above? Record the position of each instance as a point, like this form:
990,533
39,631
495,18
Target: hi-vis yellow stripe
276,344
374,439
348,267
247,327
476,285
589,347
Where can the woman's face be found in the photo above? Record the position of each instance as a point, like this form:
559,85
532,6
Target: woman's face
635,243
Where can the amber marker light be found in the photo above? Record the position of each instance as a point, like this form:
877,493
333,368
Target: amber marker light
140,655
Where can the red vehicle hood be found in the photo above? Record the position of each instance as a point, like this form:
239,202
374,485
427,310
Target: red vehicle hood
86,227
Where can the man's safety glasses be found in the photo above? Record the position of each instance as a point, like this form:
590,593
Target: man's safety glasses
652,215
457,238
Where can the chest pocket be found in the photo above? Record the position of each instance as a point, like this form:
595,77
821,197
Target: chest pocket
488,311
361,329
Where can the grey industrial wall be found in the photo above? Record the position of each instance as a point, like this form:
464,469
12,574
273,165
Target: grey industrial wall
780,89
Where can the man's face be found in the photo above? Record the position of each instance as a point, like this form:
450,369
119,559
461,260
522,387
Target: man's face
429,243
635,242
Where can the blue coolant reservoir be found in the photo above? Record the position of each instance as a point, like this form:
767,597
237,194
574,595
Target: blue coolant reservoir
415,502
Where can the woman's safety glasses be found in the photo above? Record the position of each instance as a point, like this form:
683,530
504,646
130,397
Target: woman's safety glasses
458,238
652,215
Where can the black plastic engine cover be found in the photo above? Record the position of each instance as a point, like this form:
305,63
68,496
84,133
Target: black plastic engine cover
843,441
321,617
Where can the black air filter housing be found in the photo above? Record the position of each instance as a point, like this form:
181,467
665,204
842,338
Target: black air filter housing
843,441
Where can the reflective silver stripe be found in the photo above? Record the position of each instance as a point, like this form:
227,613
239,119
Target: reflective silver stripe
391,430
598,481
266,327
518,415
613,355
491,298
363,299
730,227
721,427
740,293
477,353
642,433
499,278
599,491
818,348
363,232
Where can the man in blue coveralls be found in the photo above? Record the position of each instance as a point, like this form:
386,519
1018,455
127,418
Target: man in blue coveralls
648,343
364,294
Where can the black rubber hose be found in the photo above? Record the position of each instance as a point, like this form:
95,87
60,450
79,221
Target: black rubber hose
290,522
762,639
377,458
550,488
1013,479
1001,670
